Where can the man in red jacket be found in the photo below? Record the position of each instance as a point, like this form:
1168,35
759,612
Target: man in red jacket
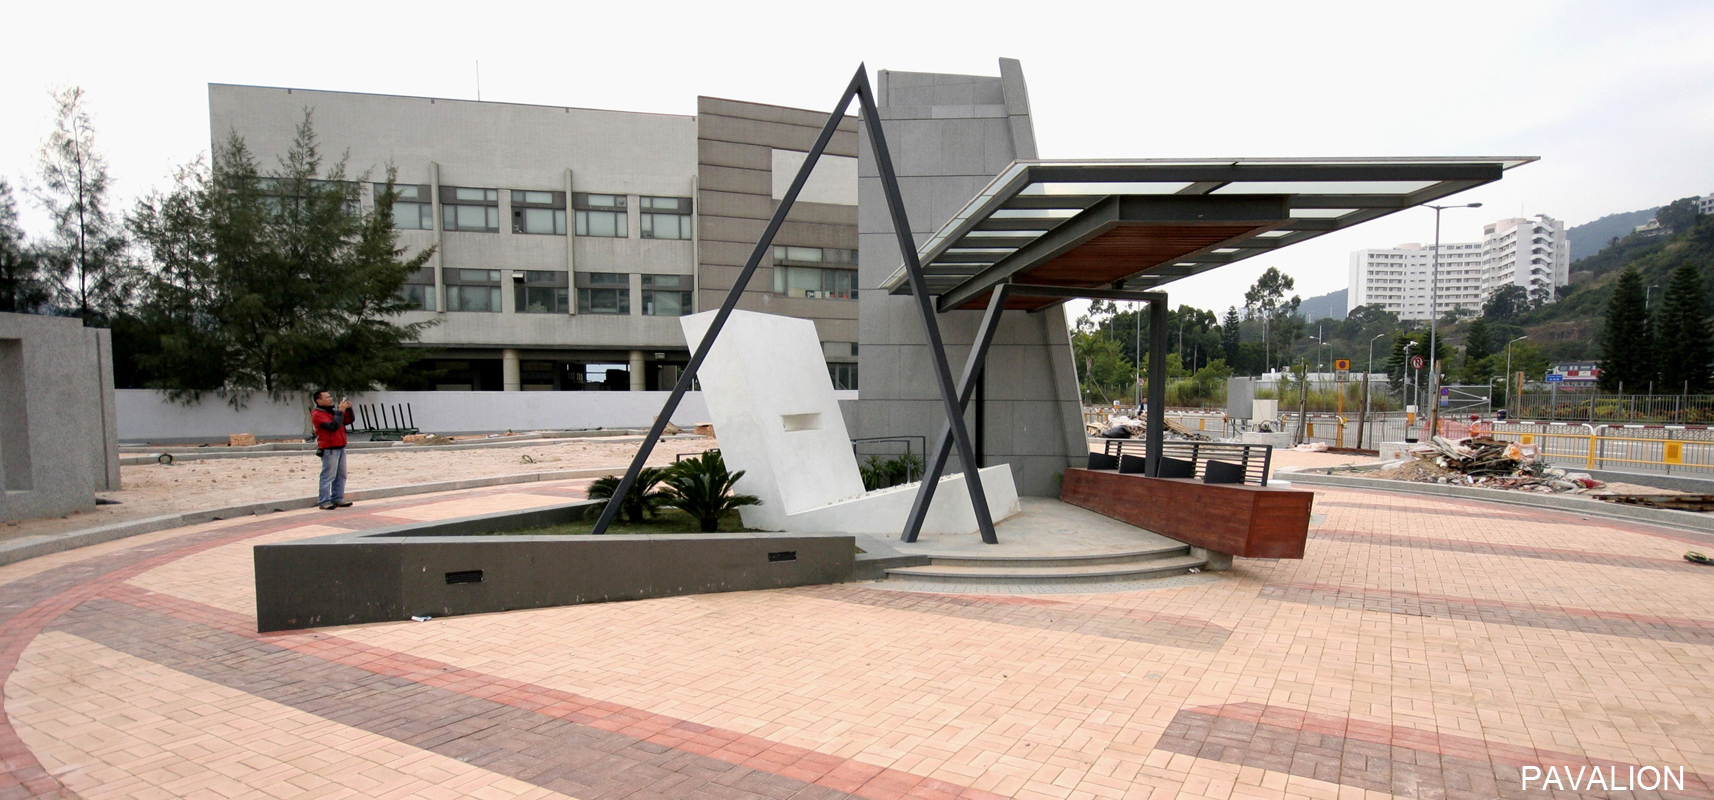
330,421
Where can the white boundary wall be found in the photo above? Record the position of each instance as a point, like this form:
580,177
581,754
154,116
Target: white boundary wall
147,416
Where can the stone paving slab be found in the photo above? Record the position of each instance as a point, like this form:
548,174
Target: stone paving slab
1426,647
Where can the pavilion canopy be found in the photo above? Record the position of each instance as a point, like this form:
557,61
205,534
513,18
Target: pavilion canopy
1143,223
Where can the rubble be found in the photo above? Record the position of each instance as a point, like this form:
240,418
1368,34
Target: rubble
1123,427
1488,463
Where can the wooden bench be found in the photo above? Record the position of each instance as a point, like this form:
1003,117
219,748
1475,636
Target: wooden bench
1236,519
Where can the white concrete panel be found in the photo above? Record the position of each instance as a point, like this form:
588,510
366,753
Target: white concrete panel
884,511
834,179
766,385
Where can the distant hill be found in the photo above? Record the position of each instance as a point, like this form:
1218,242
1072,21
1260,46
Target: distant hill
1588,239
1327,306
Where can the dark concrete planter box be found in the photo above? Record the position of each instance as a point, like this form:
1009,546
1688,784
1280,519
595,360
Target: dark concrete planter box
442,568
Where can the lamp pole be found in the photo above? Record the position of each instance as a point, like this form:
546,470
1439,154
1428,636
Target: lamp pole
1433,317
1509,368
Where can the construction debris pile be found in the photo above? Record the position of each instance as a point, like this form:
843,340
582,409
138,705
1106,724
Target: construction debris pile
1488,463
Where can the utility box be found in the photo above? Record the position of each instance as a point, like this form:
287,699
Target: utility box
1240,393
1265,409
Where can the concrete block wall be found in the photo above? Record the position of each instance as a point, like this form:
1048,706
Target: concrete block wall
59,433
949,135
148,416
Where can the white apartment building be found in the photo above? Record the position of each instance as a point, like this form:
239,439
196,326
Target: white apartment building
1533,253
1705,204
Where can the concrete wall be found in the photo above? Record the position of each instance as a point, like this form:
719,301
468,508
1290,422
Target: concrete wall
949,135
415,570
147,416
58,437
744,150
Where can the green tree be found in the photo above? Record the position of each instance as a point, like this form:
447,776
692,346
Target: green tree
273,281
1267,298
86,254
1478,341
1506,303
22,289
1229,335
1678,215
1103,371
643,497
1682,348
1625,339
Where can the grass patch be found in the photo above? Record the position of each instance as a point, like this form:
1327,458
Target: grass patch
669,520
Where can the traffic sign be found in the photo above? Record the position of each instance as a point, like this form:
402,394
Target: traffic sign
1417,362
1342,364
1552,378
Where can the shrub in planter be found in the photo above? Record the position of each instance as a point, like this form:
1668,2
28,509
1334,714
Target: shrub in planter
702,488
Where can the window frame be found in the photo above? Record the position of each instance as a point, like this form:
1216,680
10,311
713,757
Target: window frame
451,202
555,204
682,285
593,285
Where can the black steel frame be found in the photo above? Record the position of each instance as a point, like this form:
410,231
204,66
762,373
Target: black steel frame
860,90
973,367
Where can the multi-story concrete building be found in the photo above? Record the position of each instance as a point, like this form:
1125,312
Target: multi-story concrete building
1532,253
567,241
1705,204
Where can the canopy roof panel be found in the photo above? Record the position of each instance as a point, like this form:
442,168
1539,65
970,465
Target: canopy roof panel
1144,223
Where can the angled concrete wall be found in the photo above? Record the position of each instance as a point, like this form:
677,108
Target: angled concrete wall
949,136
59,435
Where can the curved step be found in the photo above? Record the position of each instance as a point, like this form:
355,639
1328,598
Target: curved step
1089,573
1162,551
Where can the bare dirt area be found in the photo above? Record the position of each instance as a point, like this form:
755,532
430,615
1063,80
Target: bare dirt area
153,490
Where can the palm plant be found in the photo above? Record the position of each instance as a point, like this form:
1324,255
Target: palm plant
702,488
643,497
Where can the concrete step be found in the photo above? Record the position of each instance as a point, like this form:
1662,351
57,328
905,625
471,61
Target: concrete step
1048,573
1162,551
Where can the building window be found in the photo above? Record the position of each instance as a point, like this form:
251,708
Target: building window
816,282
412,210
419,289
600,215
538,212
666,295
664,217
465,209
786,254
543,292
603,293
844,375
473,290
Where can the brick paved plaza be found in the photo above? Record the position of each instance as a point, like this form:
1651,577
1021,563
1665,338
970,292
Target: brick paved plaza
1424,648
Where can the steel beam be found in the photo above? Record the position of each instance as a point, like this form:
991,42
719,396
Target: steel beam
973,367
1157,387
859,84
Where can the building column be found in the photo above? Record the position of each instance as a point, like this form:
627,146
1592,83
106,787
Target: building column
639,382
511,378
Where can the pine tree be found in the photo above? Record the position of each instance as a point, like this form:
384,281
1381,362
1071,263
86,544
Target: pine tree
1229,336
1478,341
1625,339
1682,348
273,282
21,287
86,255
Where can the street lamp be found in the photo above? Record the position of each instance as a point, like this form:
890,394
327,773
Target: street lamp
1406,368
1509,368
1433,317
1369,370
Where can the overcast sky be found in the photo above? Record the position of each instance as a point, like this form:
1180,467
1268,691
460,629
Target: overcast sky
1617,99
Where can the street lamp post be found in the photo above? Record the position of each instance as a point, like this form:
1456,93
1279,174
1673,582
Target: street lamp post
1509,368
1405,367
1433,317
1363,420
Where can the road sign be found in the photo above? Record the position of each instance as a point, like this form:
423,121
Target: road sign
1552,378
1342,364
1417,362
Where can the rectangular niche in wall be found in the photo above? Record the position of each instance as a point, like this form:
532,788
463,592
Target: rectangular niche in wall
15,423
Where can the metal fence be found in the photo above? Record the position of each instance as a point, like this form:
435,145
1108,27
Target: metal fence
1649,448
1675,409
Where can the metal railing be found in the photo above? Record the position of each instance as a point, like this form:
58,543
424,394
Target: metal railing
1675,409
385,423
1254,459
1668,449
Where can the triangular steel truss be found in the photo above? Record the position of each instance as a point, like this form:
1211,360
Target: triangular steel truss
954,406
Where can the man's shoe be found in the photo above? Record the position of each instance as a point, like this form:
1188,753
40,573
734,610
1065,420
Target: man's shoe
327,506
343,504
